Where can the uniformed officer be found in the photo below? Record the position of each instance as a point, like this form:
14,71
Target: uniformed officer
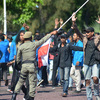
27,51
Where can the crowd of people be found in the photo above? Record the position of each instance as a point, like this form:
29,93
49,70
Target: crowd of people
72,56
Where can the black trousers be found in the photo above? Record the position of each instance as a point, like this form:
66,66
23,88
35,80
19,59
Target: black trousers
14,77
3,71
44,76
55,67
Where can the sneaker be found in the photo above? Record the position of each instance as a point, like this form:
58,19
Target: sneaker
64,95
9,90
53,88
42,86
77,91
59,84
39,82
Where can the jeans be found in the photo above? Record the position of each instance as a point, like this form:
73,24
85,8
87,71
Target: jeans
58,75
70,82
89,72
38,77
50,70
64,77
39,73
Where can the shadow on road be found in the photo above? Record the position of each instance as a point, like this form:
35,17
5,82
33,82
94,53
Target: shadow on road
44,91
4,94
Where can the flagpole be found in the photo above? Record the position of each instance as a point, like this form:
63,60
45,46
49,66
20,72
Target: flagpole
74,14
5,24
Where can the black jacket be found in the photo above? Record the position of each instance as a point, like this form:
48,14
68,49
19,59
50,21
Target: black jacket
67,61
57,41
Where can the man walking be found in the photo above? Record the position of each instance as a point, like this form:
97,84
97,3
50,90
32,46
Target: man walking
3,61
91,44
77,62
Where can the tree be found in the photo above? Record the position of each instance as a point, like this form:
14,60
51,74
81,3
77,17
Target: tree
50,10
19,12
40,14
25,9
63,9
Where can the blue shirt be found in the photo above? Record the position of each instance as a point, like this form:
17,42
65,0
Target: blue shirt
3,47
12,51
78,55
7,53
1,54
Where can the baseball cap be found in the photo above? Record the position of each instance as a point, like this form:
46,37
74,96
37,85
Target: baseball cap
63,36
9,36
27,35
89,29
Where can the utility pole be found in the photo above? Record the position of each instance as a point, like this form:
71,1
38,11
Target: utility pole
5,22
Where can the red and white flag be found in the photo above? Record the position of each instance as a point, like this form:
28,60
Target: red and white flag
43,54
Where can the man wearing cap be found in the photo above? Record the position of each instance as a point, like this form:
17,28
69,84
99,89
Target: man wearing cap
37,32
28,53
91,44
65,61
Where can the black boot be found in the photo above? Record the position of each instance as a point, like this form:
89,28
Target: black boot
14,96
29,98
6,82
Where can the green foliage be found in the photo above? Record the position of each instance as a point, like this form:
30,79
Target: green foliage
96,27
1,19
24,8
40,14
